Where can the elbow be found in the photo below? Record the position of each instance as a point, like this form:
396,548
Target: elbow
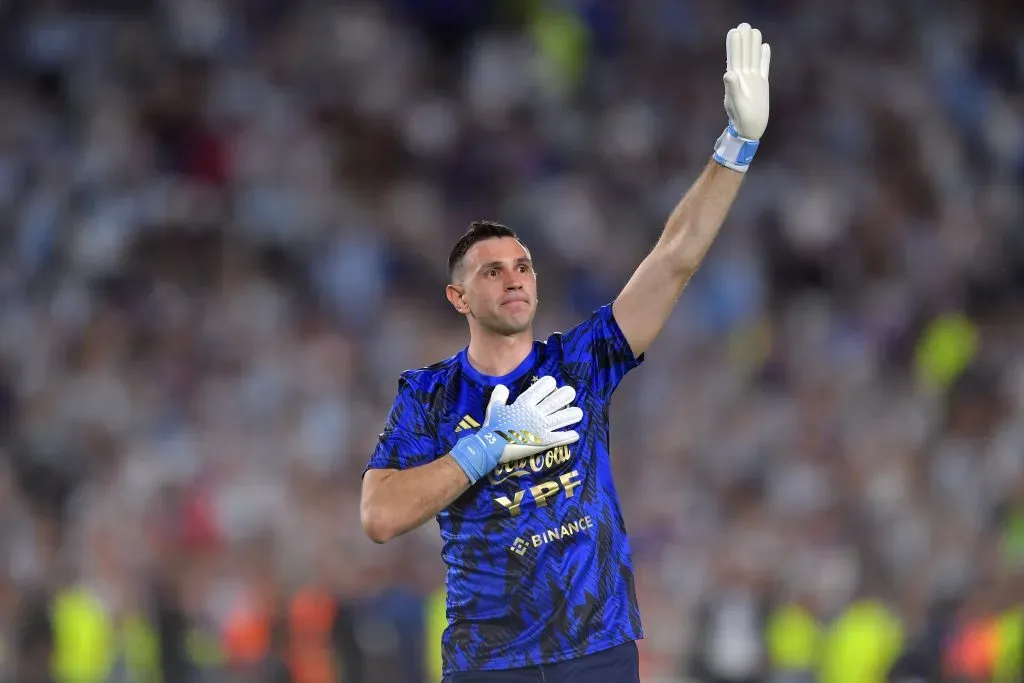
678,258
375,524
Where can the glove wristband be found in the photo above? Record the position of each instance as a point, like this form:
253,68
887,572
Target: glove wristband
470,452
733,151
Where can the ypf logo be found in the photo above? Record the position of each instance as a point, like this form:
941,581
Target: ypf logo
519,547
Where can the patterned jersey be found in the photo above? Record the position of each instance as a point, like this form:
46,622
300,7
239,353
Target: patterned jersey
538,562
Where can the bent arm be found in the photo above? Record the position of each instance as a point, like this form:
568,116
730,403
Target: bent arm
647,300
395,502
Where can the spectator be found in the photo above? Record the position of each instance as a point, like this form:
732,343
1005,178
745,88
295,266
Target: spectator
225,235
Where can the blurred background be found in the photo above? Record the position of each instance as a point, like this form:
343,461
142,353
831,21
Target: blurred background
224,231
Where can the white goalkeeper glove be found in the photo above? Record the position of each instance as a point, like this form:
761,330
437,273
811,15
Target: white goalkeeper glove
525,428
746,97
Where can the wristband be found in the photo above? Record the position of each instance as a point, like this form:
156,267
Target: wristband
733,151
470,452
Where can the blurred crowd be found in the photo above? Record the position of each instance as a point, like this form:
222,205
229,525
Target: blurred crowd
225,225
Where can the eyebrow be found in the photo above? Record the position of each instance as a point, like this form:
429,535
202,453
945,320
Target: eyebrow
498,264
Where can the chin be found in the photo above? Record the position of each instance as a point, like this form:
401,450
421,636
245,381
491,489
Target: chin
511,327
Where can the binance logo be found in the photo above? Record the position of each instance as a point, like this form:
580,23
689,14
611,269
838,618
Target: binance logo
466,423
519,547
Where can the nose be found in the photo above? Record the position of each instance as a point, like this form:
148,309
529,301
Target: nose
513,284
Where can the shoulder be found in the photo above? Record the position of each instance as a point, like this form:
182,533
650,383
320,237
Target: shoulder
432,386
595,325
431,376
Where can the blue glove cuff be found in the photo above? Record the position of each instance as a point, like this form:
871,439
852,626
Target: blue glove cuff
733,151
470,452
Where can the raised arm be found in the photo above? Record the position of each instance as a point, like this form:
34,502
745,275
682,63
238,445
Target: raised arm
647,300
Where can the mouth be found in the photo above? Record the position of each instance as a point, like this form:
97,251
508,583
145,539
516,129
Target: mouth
512,302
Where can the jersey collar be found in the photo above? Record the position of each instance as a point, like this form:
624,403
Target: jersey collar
490,380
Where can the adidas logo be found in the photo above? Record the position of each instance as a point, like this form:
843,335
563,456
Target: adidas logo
466,423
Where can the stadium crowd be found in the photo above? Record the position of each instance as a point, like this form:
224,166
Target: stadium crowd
225,227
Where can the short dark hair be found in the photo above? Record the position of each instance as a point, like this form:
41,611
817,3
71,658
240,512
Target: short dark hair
478,232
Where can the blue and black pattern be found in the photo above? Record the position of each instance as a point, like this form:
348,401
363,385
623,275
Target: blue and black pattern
539,564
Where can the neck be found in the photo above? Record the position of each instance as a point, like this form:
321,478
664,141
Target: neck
496,355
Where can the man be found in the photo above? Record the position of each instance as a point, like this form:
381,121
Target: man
540,580
32,642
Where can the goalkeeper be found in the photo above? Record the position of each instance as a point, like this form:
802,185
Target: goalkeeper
539,574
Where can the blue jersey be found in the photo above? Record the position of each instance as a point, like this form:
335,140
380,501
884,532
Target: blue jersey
538,562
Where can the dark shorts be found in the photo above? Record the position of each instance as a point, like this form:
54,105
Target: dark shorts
620,664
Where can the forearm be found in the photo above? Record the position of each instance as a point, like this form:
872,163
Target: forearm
649,296
694,223
402,500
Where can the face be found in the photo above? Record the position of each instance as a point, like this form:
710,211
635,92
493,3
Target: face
496,286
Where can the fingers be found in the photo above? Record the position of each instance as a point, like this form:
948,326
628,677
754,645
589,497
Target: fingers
766,59
513,452
499,396
563,418
744,31
566,439
538,391
733,50
732,81
744,50
558,399
754,52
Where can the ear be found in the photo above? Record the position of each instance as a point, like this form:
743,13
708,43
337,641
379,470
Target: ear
456,297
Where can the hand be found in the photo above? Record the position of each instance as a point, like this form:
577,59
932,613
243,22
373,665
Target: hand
525,428
746,81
